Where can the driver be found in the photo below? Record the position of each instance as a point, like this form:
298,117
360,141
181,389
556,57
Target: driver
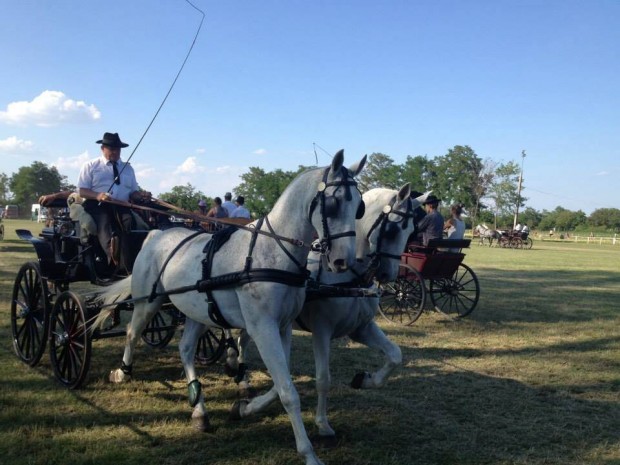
107,177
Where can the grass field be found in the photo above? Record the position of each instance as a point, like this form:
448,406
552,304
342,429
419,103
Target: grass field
531,377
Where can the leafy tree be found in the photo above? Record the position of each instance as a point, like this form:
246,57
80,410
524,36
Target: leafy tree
185,197
504,191
563,219
380,171
416,171
262,189
31,182
4,189
531,217
608,218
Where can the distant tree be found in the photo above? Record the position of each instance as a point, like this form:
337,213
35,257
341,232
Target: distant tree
185,197
4,189
562,219
262,189
415,171
608,218
31,182
380,171
504,191
531,217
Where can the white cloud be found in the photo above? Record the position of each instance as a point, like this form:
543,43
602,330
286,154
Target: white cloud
260,152
51,108
602,173
12,145
72,163
189,166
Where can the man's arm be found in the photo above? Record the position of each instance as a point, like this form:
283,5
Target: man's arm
93,195
45,199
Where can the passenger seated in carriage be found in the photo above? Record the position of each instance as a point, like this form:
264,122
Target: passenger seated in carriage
431,226
107,177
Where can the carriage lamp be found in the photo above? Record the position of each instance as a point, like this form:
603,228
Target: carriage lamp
66,229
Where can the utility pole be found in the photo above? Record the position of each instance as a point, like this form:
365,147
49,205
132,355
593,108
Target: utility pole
516,220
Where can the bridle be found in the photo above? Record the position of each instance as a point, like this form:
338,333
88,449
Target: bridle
389,229
329,206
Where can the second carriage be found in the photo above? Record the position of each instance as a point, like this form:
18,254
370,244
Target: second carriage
437,272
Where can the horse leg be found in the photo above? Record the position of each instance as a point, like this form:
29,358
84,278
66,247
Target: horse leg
187,349
257,404
142,313
235,365
372,336
275,357
321,344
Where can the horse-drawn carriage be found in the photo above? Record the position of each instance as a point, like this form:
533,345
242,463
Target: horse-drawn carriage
436,271
44,309
515,240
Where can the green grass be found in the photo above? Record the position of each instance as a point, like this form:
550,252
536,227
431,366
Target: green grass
531,377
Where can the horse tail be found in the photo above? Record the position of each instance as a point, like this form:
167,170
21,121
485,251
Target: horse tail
118,291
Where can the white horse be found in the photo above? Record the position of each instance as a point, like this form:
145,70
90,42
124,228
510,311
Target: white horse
268,292
484,232
381,237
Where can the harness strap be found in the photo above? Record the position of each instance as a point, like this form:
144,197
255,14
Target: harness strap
154,293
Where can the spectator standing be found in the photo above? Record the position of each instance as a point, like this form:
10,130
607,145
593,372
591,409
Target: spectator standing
240,211
228,204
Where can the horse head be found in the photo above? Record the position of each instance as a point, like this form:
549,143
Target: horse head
333,211
383,232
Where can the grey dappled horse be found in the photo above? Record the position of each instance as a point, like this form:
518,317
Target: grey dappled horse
485,233
322,200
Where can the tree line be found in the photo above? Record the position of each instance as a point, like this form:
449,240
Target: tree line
488,190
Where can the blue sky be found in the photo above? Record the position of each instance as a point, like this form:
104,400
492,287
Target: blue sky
267,79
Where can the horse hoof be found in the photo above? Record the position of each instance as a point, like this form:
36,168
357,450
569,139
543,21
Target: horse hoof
118,376
358,379
324,442
230,371
235,411
248,393
202,424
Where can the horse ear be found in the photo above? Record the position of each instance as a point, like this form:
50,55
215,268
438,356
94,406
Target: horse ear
404,192
358,167
418,200
337,161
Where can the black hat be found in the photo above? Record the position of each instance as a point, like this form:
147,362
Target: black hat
112,140
431,199
240,200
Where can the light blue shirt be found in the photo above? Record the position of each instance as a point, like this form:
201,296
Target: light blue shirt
240,212
98,175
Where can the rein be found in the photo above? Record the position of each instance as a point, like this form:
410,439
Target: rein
205,219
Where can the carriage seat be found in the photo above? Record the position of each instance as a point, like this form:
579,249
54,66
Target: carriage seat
440,245
88,226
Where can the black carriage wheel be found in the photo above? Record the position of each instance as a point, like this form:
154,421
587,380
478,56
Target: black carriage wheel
516,243
528,243
70,341
30,314
211,346
458,295
402,301
160,330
